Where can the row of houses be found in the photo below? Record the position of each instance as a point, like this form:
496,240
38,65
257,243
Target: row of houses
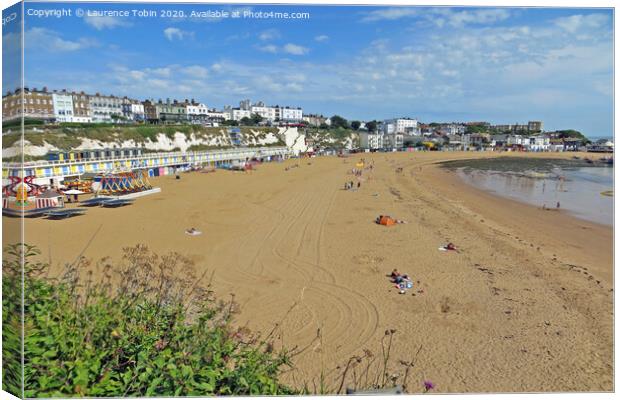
411,126
66,106
380,140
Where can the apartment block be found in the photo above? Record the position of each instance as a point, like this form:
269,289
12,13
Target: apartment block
36,104
105,108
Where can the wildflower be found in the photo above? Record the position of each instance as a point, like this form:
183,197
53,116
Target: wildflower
161,344
428,385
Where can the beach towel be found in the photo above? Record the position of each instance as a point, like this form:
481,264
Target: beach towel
387,221
193,233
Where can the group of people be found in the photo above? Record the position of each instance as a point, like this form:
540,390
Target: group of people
349,185
357,172
402,281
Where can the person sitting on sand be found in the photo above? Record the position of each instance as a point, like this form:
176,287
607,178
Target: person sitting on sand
450,246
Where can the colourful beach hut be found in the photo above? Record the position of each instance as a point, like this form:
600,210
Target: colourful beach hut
49,198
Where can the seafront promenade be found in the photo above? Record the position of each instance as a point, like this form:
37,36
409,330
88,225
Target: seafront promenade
46,170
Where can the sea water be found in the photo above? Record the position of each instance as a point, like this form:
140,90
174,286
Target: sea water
583,191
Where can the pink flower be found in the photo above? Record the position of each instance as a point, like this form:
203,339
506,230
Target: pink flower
428,385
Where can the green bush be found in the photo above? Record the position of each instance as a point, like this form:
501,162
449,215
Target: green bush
16,123
138,331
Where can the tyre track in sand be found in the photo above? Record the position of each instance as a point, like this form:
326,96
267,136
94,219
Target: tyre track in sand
283,250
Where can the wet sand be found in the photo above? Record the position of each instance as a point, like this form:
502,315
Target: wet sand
525,305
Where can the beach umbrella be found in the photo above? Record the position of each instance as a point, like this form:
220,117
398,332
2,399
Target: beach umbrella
74,191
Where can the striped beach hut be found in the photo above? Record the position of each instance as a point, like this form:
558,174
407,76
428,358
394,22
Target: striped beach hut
49,198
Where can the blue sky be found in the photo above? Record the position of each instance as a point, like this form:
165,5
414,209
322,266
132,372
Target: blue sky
502,65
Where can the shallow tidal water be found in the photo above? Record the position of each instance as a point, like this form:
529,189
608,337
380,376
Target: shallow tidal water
543,182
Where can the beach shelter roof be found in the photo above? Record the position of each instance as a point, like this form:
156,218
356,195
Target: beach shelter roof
74,191
49,194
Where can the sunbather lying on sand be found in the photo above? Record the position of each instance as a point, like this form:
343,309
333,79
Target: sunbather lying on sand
193,232
397,277
449,246
387,220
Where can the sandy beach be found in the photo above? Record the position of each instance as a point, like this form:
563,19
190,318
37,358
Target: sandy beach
526,305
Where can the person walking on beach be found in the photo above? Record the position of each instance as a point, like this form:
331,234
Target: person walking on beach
557,205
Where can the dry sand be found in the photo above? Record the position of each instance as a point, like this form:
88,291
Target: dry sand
526,305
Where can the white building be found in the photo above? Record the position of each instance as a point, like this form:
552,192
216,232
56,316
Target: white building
197,109
289,114
236,114
452,129
215,115
133,110
268,113
371,141
81,109
401,125
393,141
63,107
103,108
538,143
245,104
515,140
197,113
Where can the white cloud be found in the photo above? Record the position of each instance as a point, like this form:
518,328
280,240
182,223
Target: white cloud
485,16
164,72
295,49
270,48
159,83
104,22
137,75
321,38
11,44
576,22
177,34
46,39
269,34
441,16
295,87
195,70
297,77
288,48
390,14
268,84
